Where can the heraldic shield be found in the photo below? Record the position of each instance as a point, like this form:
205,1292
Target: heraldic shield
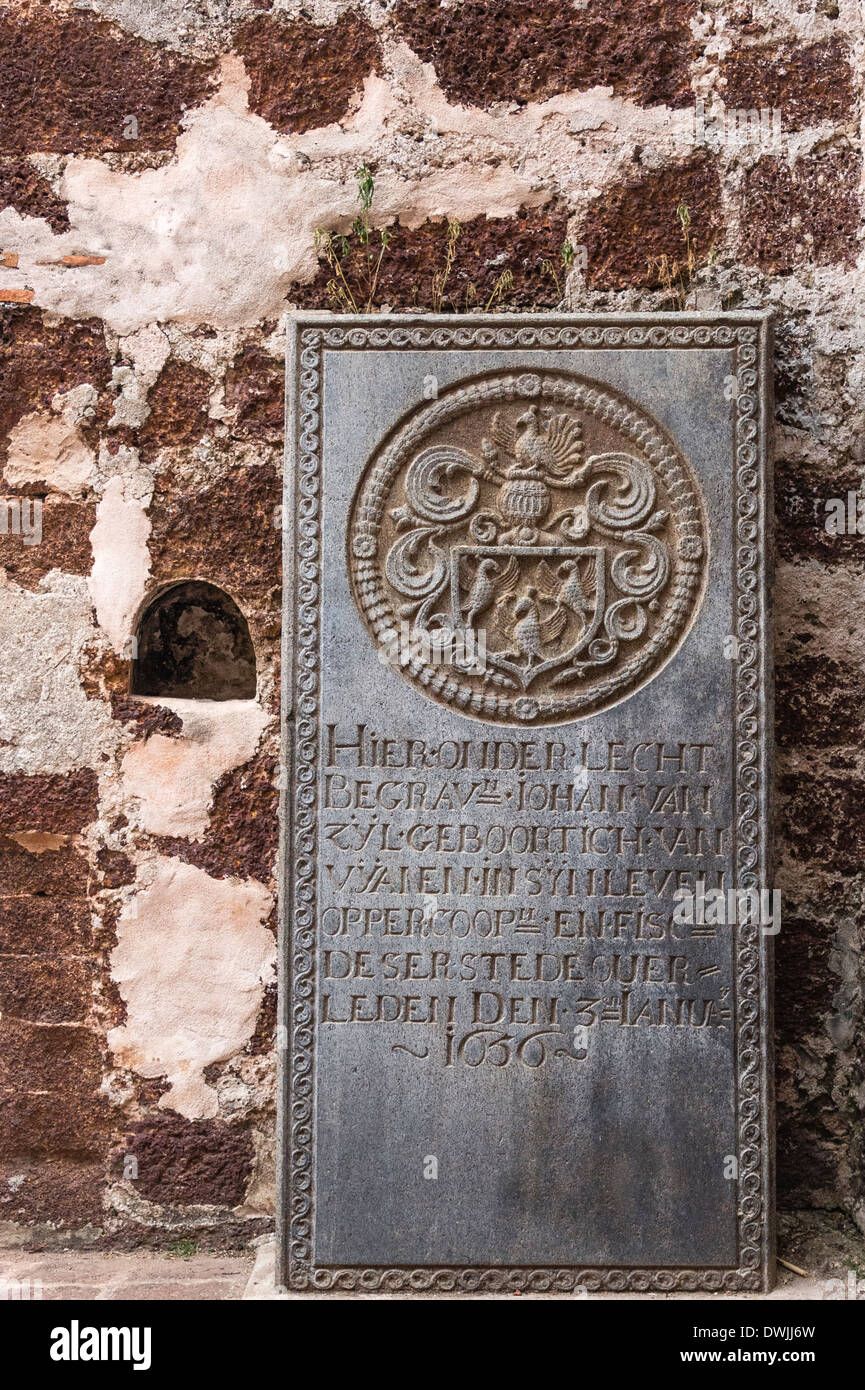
538,607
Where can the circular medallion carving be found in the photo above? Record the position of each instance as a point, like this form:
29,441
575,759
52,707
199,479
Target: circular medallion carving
528,548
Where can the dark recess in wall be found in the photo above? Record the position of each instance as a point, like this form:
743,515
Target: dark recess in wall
194,643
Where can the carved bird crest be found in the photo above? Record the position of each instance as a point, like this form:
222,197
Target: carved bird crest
492,580
532,632
550,448
567,586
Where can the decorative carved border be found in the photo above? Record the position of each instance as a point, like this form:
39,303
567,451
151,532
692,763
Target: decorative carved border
751,793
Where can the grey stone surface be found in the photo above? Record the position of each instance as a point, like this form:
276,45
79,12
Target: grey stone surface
528,674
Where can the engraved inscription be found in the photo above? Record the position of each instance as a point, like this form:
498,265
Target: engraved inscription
546,514
494,902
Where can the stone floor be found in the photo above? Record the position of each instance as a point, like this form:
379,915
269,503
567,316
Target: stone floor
822,1257
138,1275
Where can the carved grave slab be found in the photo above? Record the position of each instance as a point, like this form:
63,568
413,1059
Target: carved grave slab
527,718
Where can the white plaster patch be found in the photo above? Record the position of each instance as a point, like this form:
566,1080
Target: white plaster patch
47,724
191,963
172,779
220,233
148,351
48,448
121,559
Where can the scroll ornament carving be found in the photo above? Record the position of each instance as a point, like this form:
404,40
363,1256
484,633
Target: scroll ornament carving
490,517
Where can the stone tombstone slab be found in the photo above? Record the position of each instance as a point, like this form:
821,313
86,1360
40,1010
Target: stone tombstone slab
528,695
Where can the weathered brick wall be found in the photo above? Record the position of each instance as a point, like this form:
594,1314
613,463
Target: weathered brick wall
162,176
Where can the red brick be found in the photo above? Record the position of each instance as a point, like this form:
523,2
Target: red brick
822,818
255,391
41,989
53,1124
634,224
800,507
819,703
178,408
117,869
59,802
38,360
61,1192
805,215
145,718
40,925
808,84
36,1057
23,188
224,533
59,872
64,545
804,982
242,836
304,75
182,1161
264,1034
69,81
486,248
487,51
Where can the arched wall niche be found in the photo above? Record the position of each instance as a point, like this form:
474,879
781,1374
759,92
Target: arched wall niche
193,642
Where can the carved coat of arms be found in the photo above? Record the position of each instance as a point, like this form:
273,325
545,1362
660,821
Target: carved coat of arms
551,520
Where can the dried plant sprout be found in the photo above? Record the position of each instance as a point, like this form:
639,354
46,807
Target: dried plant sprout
441,277
355,252
355,259
567,255
676,274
